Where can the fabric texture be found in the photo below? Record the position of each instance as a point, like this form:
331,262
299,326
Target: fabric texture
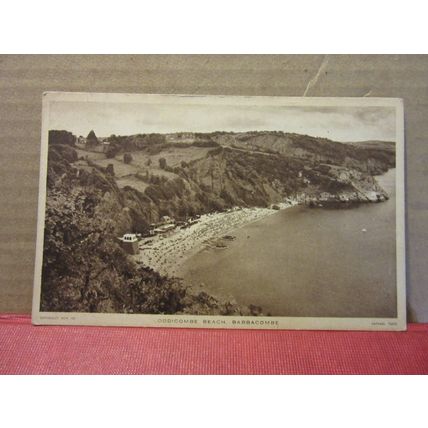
28,349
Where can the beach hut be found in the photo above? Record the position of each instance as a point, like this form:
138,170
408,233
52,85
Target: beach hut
165,228
166,219
129,243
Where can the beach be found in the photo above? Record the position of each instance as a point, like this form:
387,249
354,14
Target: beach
166,253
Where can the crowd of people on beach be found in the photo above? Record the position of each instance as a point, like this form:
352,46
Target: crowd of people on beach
165,253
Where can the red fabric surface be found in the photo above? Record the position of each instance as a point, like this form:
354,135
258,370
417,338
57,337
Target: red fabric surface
27,349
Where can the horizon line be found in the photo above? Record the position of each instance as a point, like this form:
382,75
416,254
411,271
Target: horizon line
225,132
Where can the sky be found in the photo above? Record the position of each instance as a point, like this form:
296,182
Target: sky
337,123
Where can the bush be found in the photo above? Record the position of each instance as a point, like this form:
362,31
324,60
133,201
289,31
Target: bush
58,151
112,151
206,143
127,158
154,150
162,163
110,169
61,137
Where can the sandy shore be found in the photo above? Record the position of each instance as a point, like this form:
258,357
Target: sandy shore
166,253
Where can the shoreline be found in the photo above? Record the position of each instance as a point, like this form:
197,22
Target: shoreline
167,253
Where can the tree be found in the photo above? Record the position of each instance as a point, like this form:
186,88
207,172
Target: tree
110,169
112,151
84,269
162,163
155,139
61,137
91,139
127,157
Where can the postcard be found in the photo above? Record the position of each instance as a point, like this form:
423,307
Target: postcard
221,212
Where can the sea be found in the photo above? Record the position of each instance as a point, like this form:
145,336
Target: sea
309,262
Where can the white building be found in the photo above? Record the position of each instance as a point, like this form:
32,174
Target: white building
129,243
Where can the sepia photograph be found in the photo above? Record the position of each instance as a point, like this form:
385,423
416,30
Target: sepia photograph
221,211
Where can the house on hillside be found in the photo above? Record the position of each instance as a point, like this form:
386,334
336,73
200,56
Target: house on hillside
166,219
182,137
129,242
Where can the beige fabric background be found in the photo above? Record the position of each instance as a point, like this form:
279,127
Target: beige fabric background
24,78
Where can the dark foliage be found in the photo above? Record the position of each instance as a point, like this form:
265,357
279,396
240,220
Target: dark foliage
162,163
110,169
61,137
127,157
112,151
91,139
205,143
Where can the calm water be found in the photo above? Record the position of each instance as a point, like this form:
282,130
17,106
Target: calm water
309,262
